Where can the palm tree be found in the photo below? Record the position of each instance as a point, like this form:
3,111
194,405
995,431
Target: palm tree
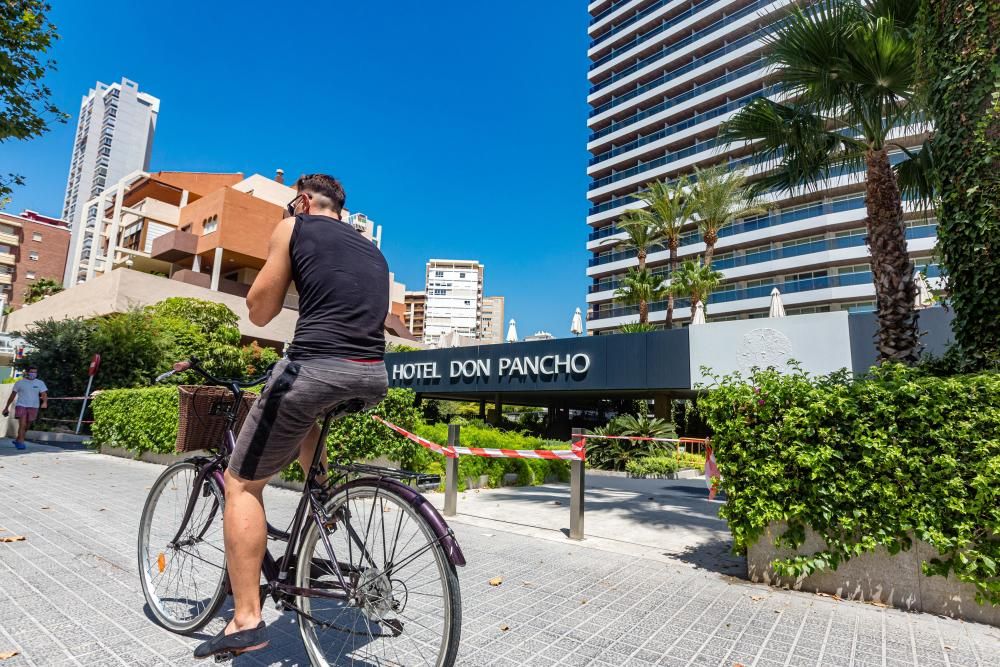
668,208
850,67
40,289
641,234
640,287
719,197
695,280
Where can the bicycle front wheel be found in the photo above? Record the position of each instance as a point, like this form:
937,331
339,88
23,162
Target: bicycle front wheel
403,603
184,581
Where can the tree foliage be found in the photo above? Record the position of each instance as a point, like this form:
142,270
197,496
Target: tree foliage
640,287
960,70
865,463
25,110
40,289
849,68
718,197
695,281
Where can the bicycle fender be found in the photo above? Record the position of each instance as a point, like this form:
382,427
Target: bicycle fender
426,510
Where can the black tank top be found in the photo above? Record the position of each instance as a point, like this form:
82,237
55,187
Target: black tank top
343,285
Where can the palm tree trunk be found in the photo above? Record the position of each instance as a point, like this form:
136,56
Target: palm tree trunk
643,311
892,270
672,244
641,255
711,238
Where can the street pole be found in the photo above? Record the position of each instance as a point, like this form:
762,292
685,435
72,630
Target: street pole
91,372
451,473
576,484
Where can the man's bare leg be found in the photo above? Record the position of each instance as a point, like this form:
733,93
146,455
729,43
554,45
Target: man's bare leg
306,451
245,532
22,428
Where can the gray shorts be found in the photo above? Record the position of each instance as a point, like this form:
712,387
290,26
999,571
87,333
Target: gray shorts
297,394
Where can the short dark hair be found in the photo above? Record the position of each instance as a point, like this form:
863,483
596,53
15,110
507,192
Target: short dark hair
325,187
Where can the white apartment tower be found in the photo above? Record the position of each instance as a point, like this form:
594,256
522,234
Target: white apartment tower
114,137
664,75
454,298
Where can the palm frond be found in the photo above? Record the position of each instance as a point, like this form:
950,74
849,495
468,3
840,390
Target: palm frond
915,175
799,141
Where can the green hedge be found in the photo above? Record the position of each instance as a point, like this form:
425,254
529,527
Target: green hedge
145,420
139,420
864,463
529,472
656,466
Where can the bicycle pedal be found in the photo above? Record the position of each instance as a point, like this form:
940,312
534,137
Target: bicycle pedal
225,656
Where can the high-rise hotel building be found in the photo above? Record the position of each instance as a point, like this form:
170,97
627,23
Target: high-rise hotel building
114,138
454,300
664,75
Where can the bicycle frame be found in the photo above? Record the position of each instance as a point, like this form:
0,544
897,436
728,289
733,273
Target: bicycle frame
276,571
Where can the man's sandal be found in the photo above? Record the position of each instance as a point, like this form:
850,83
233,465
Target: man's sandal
226,647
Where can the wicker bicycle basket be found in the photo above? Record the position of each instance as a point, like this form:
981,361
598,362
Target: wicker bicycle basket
203,413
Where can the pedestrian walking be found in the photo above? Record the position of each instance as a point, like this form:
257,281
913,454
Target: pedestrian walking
31,394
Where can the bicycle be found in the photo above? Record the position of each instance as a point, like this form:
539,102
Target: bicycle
394,599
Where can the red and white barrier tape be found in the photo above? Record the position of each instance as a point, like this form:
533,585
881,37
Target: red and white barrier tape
577,451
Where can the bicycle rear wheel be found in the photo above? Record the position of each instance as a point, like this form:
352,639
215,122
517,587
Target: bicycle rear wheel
405,605
184,583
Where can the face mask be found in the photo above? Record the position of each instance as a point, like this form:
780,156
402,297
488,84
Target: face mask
31,376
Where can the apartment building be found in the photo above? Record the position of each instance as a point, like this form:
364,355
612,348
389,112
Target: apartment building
114,137
32,246
454,299
414,304
664,75
491,320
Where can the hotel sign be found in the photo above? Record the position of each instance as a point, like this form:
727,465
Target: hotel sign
545,365
592,364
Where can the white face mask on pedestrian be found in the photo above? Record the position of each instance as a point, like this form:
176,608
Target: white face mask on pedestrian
31,376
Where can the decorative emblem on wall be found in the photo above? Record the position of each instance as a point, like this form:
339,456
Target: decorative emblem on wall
762,348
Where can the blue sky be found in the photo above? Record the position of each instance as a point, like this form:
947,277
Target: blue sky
460,127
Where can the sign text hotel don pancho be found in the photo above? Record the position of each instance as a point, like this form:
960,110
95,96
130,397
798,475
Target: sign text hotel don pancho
549,364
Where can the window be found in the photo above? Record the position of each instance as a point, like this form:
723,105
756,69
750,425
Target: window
461,274
186,228
439,274
760,282
33,256
808,275
37,236
211,224
857,268
803,241
440,292
30,275
859,307
859,231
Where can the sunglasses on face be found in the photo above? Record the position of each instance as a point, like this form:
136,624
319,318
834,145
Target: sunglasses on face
290,207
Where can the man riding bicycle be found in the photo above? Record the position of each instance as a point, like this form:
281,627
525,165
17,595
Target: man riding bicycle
335,356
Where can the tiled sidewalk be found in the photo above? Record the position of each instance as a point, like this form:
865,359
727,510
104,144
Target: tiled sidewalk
69,594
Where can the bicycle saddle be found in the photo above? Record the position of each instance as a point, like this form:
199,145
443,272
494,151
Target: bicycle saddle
347,407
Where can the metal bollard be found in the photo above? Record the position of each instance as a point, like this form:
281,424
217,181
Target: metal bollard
451,473
576,485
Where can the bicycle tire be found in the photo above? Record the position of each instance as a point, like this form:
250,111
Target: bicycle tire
181,476
451,603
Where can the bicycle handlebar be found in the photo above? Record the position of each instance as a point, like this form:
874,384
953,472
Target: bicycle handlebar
194,365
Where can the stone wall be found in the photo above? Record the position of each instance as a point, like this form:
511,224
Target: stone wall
879,576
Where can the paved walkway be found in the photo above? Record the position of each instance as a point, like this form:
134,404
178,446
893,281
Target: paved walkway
69,594
662,520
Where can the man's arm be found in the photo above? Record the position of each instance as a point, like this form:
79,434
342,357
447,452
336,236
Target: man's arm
45,399
10,399
267,294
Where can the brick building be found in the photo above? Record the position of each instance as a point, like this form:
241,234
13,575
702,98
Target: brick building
32,247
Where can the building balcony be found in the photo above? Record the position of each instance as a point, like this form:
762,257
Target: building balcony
9,239
6,278
707,87
7,259
695,7
671,49
174,246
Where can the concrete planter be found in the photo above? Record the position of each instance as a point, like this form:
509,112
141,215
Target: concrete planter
878,576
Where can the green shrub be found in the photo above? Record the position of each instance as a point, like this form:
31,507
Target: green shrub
864,463
614,454
655,466
139,420
529,472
